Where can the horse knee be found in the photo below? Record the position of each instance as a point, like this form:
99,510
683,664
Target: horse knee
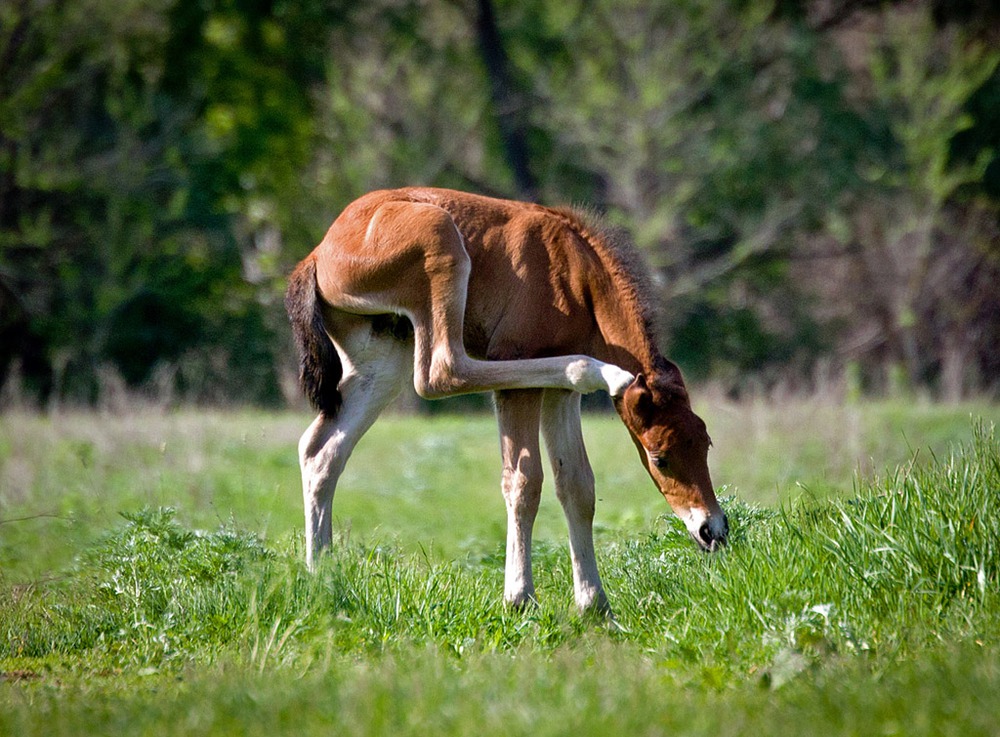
441,378
522,487
575,489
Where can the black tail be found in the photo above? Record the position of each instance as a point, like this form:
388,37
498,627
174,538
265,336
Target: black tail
320,370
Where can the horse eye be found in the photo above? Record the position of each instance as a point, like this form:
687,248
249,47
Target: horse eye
661,462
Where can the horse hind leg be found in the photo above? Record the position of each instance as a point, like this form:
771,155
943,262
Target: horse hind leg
375,368
443,368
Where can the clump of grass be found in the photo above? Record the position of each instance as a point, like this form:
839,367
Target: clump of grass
914,557
932,531
154,592
150,591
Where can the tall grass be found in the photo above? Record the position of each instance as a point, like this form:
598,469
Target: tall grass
65,477
913,557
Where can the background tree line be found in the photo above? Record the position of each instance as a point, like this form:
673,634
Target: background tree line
817,184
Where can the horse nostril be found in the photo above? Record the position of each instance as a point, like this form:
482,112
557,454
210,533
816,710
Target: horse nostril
706,533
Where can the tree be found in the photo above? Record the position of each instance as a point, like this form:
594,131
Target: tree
917,253
145,144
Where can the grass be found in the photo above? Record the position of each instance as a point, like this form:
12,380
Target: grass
868,604
71,474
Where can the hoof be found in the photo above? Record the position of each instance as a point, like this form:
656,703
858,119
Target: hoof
521,602
599,609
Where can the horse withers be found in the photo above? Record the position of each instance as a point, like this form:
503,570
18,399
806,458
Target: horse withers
462,293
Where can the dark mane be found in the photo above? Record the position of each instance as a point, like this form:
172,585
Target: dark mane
620,257
633,281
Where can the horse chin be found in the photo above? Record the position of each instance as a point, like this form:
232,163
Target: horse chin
703,546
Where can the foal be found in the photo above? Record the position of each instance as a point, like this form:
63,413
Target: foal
466,294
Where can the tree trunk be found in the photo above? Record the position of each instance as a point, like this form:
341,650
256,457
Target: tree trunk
954,359
508,104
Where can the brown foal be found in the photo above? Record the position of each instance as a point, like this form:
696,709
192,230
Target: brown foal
465,293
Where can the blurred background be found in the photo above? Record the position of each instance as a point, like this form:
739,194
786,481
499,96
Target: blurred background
816,184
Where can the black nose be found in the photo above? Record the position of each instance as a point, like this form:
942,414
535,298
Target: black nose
709,537
706,534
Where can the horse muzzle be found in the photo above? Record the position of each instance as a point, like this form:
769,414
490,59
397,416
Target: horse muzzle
710,532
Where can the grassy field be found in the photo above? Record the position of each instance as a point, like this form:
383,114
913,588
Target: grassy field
151,581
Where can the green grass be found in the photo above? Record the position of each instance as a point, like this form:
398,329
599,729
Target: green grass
866,604
79,470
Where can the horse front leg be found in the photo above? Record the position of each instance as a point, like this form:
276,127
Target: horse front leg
574,482
432,292
518,418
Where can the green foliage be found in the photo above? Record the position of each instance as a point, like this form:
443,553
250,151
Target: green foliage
119,232
797,188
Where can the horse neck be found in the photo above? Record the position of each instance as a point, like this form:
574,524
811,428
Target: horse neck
621,297
626,333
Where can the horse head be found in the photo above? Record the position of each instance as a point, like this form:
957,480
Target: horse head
673,445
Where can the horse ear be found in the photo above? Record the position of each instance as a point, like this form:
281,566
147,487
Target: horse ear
639,399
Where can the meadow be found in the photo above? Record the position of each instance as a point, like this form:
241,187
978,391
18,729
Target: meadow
151,581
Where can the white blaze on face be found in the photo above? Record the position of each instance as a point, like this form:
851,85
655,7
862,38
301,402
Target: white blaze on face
693,519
